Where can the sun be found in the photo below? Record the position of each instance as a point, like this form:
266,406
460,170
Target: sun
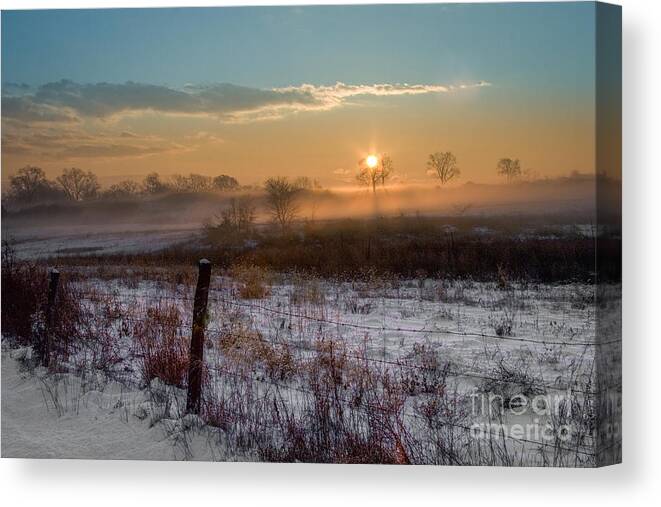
371,161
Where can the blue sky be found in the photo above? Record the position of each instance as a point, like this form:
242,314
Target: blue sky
545,45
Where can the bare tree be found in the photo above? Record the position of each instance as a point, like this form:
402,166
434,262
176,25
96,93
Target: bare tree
180,183
28,183
307,183
199,183
152,184
281,200
225,182
125,188
239,215
371,171
443,165
78,184
510,168
386,169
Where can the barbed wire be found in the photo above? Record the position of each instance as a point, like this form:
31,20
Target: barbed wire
185,326
350,404
370,327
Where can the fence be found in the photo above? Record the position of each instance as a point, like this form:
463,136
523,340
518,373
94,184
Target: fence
199,330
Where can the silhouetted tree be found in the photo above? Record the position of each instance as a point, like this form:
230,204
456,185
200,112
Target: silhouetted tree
126,188
199,183
386,169
369,176
192,183
28,184
225,182
306,183
443,165
152,184
239,215
380,173
77,184
510,168
179,183
281,199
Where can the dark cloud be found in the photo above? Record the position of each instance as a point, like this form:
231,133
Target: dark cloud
24,108
63,100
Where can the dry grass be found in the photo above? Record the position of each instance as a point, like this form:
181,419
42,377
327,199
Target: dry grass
254,281
24,287
249,349
163,346
323,400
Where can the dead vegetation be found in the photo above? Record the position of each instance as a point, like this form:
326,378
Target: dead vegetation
162,345
321,398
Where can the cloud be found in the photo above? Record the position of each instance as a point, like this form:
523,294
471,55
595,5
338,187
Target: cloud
58,143
65,119
66,100
26,109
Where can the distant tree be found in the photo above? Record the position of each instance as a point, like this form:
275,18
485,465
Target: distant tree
371,176
443,165
180,183
225,182
28,183
306,183
152,184
510,168
368,176
192,183
239,215
281,200
77,184
126,188
386,169
199,183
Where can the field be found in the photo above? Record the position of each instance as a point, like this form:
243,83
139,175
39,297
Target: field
383,367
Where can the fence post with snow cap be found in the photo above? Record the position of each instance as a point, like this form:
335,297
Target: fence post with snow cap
196,358
53,280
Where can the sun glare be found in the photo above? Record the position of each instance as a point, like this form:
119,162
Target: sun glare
371,161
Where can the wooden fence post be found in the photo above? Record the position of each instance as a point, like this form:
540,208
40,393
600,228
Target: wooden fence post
196,359
53,280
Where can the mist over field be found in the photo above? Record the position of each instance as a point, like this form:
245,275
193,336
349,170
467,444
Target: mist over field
153,222
566,196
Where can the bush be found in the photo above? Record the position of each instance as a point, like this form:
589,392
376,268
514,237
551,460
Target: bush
24,288
24,292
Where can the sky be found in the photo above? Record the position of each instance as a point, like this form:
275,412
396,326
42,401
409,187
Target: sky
299,91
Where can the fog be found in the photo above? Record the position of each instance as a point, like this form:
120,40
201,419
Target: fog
566,196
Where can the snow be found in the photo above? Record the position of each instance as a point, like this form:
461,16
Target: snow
35,243
46,417
389,320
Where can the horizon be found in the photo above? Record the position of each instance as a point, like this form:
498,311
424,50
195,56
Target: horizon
299,91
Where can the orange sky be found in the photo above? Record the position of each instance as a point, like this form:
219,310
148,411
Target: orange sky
324,144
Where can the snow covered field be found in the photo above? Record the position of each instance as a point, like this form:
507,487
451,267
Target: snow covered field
61,241
63,416
504,361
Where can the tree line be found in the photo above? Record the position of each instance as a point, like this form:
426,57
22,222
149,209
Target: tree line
30,185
